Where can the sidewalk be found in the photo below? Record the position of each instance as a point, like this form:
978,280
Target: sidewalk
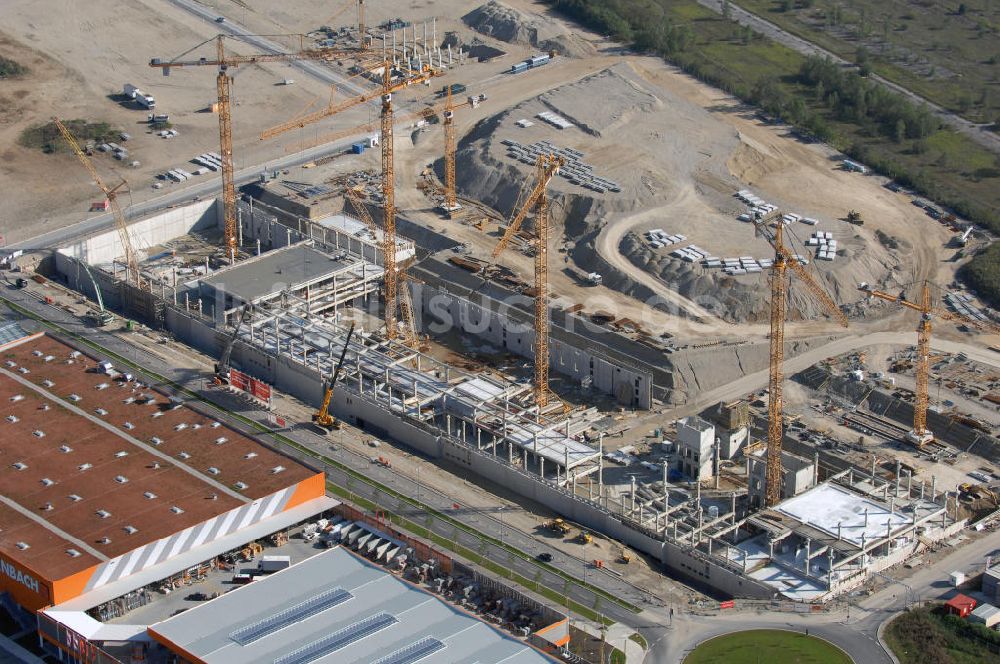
617,636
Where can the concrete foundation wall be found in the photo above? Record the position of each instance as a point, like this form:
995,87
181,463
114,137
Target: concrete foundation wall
438,309
149,232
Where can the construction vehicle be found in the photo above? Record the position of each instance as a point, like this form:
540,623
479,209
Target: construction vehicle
584,537
111,194
624,557
783,260
558,526
322,417
222,367
102,316
920,435
225,62
546,168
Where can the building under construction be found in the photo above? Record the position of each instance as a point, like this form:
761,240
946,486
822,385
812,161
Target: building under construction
308,282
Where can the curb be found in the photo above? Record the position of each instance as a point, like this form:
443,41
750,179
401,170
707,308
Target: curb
881,630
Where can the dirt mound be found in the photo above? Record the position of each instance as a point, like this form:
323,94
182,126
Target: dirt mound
504,23
499,21
622,99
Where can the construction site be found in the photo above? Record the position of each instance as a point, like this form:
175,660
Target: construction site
649,322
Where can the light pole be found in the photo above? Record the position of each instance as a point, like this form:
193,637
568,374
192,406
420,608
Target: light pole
501,525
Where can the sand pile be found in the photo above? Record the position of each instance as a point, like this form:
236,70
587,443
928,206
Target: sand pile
499,21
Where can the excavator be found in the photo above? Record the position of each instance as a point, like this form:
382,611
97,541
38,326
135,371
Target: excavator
222,368
322,417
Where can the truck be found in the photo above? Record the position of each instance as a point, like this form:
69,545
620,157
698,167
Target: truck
139,96
270,564
456,89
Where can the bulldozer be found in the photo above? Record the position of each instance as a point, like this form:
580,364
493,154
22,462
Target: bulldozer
624,557
558,526
584,537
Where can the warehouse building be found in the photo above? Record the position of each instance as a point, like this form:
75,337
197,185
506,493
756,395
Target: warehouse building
359,613
111,484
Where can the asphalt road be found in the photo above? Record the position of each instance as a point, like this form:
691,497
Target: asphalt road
478,520
314,69
980,133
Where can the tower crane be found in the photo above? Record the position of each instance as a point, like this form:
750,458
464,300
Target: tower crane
546,166
920,435
783,261
223,83
450,197
111,193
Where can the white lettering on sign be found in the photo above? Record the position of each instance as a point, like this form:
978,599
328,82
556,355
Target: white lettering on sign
26,580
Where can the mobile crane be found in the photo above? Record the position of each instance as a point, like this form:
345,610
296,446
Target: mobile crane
222,367
322,417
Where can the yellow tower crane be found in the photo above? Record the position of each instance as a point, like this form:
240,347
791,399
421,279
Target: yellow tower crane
920,435
406,78
783,261
111,193
450,196
224,81
546,166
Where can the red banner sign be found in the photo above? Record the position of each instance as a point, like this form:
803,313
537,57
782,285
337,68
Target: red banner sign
239,380
728,604
260,390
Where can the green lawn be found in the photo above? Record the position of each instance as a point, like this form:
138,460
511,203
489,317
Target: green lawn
766,646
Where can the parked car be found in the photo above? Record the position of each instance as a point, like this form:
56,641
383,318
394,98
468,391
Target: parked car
545,557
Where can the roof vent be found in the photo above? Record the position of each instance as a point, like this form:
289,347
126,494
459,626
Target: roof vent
65,449
75,354
220,440
84,466
47,507
38,433
184,455
155,440
129,400
49,358
104,540
23,546
47,482
180,427
48,383
121,479
11,363
101,386
129,426
74,397
24,370
19,465
215,425
158,413
13,418
149,495
44,406
17,397
73,553
100,411
104,514
176,510
155,465
249,455
277,469
195,426
120,454
242,486
36,353
131,530
75,498
212,470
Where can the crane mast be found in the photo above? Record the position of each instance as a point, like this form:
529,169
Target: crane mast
920,435
546,166
450,197
223,90
783,261
389,204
